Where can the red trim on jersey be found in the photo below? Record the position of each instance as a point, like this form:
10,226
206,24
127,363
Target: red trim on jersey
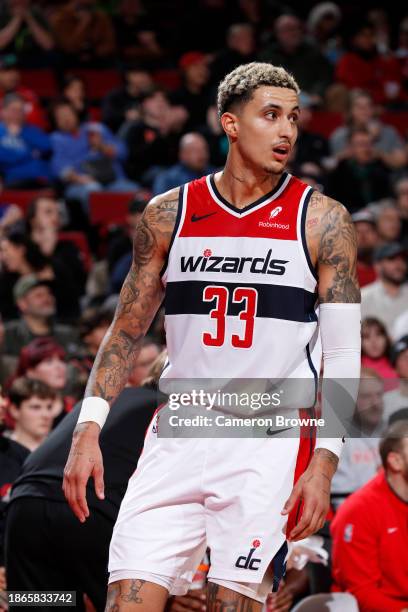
305,452
276,219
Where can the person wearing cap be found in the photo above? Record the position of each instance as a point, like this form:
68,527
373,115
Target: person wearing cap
35,300
387,297
370,535
194,94
367,240
398,398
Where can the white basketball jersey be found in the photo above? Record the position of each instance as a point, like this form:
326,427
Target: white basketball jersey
240,289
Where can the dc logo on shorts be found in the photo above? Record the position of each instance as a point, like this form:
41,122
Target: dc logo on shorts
248,561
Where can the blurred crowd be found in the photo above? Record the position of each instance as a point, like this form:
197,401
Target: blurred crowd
119,97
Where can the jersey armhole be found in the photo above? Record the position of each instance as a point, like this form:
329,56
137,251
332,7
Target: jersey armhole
176,228
306,199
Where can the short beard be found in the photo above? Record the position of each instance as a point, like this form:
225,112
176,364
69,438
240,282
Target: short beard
392,281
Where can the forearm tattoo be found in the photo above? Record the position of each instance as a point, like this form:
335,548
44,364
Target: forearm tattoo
139,300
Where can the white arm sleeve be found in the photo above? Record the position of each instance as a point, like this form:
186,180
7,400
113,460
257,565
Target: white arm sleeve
340,330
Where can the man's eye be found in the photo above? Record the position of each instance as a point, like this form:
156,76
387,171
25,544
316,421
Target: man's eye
271,114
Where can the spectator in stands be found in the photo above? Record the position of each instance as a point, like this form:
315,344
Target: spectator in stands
73,89
45,360
77,561
400,327
135,34
36,303
86,157
43,221
152,140
10,82
25,31
370,532
193,163
389,145
290,49
367,241
32,410
387,297
148,354
194,94
376,351
23,147
84,34
323,24
310,147
21,256
12,456
398,398
360,460
122,104
240,48
388,221
362,177
362,66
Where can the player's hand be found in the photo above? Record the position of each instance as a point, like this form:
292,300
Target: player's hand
84,460
281,601
194,600
313,487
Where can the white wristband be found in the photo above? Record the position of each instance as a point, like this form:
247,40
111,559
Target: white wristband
94,409
335,445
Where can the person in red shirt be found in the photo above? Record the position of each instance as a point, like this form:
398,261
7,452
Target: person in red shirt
370,532
363,67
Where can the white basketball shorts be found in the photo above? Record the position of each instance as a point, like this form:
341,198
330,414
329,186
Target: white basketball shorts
226,494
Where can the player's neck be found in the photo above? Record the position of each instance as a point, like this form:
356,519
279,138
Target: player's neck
242,185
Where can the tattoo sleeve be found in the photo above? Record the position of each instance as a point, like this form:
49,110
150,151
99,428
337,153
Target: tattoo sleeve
139,300
337,255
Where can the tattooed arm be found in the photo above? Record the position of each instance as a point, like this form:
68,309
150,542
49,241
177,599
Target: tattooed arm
332,245
332,248
139,300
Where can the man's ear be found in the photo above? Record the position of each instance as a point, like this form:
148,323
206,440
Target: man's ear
229,122
14,411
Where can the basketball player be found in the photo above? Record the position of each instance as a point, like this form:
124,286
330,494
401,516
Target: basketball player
240,257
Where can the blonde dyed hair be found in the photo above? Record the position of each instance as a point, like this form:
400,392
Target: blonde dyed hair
238,86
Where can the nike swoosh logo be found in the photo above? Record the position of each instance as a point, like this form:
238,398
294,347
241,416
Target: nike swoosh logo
392,529
195,218
274,432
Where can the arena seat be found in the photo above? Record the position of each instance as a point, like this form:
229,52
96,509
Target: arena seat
22,197
327,602
41,81
168,78
80,241
325,122
99,82
109,208
398,119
